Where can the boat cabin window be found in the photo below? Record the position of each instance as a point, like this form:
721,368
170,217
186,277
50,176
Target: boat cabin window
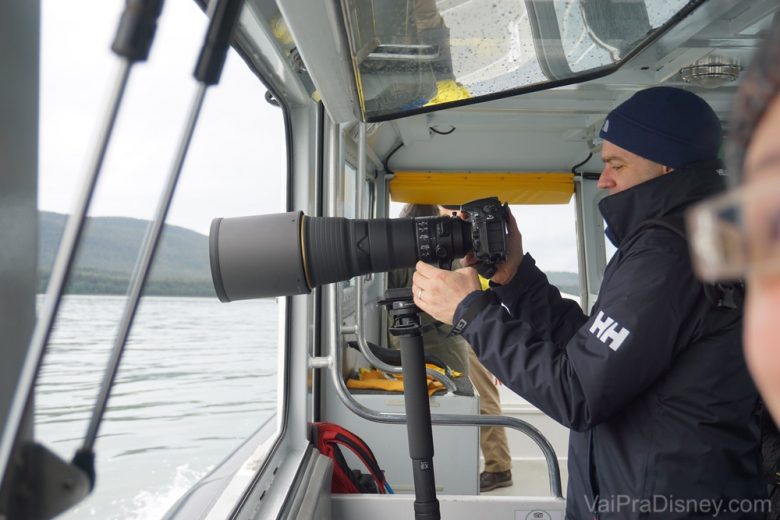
409,57
550,236
198,377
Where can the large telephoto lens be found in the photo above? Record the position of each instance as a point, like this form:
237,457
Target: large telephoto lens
289,253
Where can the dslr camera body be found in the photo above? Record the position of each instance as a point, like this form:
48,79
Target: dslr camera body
486,227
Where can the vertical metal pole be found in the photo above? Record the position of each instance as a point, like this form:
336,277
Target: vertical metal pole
19,60
581,258
141,272
62,266
361,170
132,42
207,71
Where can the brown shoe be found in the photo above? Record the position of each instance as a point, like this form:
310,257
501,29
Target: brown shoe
489,480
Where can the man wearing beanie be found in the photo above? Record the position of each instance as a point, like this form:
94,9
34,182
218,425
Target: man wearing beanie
652,384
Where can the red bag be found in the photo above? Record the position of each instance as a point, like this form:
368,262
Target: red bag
328,437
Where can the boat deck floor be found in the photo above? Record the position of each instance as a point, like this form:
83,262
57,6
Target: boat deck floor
529,478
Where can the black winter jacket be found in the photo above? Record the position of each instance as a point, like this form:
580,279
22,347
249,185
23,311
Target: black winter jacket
652,384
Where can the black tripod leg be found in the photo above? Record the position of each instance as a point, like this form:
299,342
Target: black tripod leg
418,427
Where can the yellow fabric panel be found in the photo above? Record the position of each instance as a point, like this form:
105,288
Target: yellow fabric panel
447,91
457,188
373,379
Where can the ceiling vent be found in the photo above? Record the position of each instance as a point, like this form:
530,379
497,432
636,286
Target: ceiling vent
711,72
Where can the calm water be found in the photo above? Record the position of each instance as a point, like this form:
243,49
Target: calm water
197,378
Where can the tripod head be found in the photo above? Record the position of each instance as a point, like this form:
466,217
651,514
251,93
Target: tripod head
406,315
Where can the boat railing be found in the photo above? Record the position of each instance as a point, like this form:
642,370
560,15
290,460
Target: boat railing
334,366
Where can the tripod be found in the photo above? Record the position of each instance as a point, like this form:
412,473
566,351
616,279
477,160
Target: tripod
406,325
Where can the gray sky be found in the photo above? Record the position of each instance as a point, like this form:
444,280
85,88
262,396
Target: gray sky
236,159
236,162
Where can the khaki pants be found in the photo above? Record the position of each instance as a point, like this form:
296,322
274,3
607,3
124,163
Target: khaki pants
492,439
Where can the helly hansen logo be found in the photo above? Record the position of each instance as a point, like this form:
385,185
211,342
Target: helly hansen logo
606,329
458,328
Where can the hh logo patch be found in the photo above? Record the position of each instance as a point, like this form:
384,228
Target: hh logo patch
605,128
458,328
606,329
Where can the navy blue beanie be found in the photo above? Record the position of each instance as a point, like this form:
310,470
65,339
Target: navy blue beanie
667,125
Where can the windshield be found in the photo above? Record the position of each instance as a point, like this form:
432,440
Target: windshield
412,55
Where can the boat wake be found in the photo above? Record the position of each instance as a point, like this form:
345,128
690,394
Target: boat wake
152,505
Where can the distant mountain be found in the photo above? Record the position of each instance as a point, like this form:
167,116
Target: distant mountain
110,248
565,281
181,268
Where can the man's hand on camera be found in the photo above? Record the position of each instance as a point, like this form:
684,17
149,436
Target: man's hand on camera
514,254
438,292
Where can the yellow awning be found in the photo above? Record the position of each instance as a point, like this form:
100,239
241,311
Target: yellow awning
419,187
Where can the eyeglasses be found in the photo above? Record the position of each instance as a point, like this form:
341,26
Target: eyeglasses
738,233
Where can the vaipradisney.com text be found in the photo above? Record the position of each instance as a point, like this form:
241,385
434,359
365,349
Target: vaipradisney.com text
672,504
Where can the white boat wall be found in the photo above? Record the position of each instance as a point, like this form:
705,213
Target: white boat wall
514,94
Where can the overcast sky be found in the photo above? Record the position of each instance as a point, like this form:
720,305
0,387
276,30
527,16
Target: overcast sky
236,159
236,162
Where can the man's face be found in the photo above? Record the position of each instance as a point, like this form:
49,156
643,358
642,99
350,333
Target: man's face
762,311
623,169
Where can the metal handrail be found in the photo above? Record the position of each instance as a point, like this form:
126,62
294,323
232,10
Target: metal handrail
357,330
335,353
141,273
333,361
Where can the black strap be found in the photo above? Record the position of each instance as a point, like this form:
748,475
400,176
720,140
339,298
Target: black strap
363,452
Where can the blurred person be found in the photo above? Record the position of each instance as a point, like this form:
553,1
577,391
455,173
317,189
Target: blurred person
492,439
755,157
457,353
737,236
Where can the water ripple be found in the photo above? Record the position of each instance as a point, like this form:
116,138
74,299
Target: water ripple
196,379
